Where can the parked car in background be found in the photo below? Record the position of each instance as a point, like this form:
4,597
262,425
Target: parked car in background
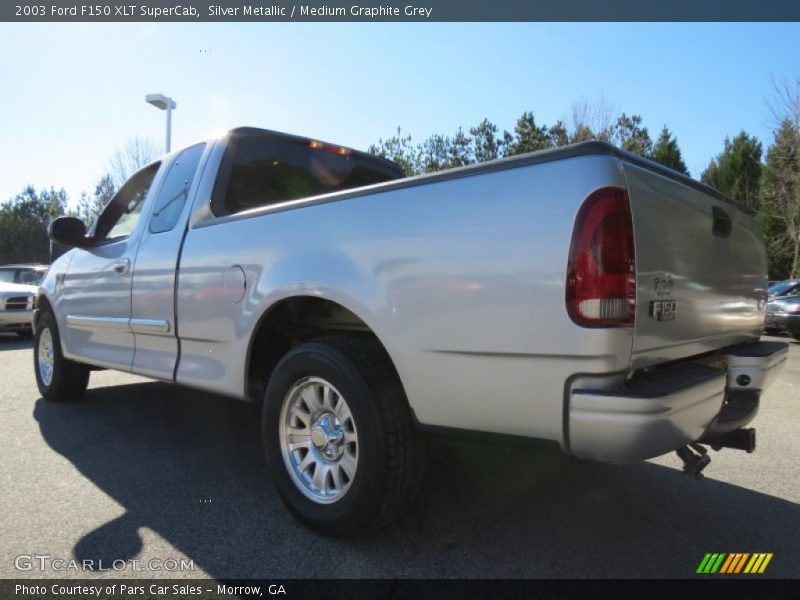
24,274
783,316
18,287
790,287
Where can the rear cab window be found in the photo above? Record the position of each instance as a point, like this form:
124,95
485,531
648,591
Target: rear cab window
263,168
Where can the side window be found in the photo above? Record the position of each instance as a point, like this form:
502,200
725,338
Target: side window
174,190
120,216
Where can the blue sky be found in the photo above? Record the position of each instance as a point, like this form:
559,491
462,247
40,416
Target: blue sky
71,94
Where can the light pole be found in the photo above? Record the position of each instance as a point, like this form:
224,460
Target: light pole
164,103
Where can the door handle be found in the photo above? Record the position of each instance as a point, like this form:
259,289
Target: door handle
122,267
722,222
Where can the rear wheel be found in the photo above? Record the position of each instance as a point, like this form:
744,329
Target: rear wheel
57,378
341,444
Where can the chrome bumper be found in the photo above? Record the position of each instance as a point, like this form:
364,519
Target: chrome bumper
664,410
15,320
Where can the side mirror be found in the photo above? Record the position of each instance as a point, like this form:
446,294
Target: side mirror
68,231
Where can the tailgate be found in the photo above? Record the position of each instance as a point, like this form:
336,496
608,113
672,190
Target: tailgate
700,269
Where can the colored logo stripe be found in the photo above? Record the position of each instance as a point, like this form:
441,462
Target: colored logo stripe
720,562
758,563
711,562
734,563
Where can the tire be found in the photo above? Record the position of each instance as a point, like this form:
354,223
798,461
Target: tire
68,379
388,451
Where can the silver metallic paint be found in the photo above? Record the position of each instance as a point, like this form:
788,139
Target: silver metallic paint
624,428
97,290
718,282
153,315
462,279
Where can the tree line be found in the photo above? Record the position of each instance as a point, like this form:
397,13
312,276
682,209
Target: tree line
24,218
485,142
766,181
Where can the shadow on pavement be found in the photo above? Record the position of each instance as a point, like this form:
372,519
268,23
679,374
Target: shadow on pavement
11,341
188,465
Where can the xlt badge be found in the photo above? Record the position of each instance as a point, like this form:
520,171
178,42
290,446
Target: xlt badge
663,310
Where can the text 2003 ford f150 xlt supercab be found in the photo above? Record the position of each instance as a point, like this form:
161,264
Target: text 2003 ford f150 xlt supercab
582,295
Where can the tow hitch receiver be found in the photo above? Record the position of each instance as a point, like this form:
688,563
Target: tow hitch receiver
739,439
695,458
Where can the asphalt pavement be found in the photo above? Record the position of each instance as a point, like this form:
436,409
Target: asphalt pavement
152,473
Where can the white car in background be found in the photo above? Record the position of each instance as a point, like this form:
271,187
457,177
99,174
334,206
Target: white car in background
18,287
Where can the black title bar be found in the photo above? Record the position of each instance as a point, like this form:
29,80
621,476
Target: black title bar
405,10
705,588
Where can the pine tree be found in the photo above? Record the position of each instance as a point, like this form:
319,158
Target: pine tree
736,171
779,213
667,152
528,136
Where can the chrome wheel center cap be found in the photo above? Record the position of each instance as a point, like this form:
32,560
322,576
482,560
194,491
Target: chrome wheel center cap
327,434
319,440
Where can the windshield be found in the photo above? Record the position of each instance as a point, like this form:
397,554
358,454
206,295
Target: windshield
784,288
21,276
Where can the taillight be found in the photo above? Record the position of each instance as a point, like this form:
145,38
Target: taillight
601,273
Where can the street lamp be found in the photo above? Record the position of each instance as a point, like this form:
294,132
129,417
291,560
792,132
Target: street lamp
164,103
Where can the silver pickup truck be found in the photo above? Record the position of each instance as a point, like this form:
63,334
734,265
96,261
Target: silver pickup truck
582,295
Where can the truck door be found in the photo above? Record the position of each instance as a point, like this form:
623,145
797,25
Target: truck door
97,287
153,318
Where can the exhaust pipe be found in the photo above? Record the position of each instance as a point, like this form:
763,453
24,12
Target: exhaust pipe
739,439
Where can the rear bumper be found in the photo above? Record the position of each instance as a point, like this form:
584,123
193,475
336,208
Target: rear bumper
661,411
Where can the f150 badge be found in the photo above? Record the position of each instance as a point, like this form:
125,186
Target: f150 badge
663,310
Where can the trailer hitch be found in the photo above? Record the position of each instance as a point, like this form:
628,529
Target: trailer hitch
695,458
738,439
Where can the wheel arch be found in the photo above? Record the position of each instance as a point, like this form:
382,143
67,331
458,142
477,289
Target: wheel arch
294,319
41,305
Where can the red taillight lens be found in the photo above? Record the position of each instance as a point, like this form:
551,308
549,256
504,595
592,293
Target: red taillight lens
601,273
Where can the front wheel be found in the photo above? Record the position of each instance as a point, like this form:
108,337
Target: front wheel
340,440
57,377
